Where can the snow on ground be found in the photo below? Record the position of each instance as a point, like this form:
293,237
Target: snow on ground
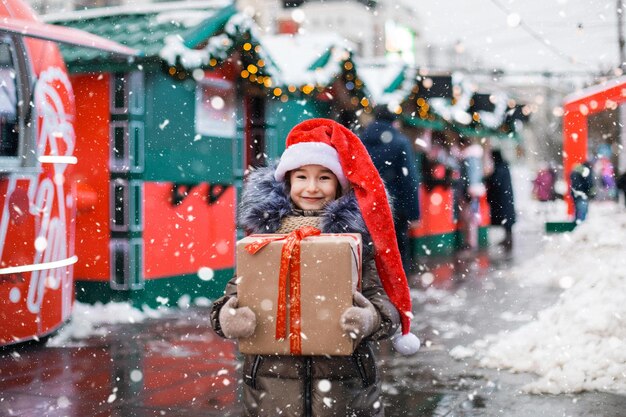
595,247
87,320
579,343
532,214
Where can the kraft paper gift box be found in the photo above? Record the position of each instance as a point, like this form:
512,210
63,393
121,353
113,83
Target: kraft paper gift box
330,269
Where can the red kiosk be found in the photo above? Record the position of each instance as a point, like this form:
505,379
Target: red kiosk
577,109
37,181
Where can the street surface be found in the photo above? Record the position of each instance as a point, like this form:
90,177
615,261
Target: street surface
176,366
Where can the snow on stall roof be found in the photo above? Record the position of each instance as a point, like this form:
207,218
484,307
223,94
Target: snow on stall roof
184,7
578,344
594,89
294,55
378,75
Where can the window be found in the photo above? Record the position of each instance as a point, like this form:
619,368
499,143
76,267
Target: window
119,146
136,92
136,146
119,95
14,152
9,137
126,264
215,107
119,206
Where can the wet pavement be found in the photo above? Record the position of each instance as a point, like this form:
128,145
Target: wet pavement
176,366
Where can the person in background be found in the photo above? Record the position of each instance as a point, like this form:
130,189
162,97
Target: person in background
500,198
581,189
437,164
472,175
394,159
621,184
543,184
604,171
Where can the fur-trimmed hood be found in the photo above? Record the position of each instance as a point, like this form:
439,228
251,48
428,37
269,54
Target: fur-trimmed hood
265,202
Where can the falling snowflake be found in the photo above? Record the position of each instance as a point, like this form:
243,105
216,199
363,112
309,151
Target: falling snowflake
205,273
324,385
136,375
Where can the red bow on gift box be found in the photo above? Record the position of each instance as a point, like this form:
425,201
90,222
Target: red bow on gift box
289,266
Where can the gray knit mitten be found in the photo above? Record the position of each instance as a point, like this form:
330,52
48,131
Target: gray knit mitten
237,323
360,320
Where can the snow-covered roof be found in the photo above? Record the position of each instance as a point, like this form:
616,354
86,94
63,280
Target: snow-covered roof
296,57
379,77
178,11
143,28
594,89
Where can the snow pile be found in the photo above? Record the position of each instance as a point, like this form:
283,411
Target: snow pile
595,248
86,320
579,344
532,214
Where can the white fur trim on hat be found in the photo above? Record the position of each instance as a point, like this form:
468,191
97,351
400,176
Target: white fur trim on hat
310,153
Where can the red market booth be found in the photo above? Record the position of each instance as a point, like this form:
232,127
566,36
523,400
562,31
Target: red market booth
165,149
578,107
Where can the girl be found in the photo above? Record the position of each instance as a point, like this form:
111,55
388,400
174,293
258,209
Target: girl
324,179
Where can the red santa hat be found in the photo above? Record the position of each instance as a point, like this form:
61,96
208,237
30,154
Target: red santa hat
326,142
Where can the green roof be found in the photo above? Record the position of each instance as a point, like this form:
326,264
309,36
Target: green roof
144,30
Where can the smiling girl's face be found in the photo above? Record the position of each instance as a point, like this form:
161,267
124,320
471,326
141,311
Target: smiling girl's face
312,187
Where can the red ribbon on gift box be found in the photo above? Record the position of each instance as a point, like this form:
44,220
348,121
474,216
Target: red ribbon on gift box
289,266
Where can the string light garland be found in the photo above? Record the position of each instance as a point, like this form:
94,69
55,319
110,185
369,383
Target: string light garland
239,38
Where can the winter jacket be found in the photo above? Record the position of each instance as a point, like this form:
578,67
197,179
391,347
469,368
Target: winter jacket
500,193
311,385
543,185
394,159
472,171
621,182
582,182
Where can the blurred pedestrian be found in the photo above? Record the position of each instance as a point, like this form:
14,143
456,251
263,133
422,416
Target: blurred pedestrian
621,184
500,198
472,176
581,189
438,164
604,171
543,184
394,159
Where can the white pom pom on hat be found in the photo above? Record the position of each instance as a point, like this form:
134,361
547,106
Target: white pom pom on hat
406,344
